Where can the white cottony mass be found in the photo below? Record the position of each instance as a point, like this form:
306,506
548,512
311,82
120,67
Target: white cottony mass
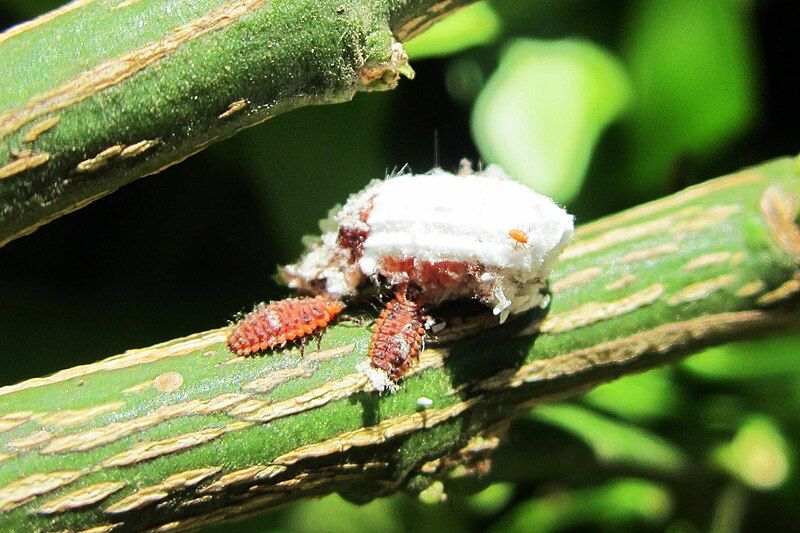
475,235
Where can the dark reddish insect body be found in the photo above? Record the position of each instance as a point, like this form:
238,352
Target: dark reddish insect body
276,323
397,337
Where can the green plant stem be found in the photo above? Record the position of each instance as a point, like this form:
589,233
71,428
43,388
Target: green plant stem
101,92
185,434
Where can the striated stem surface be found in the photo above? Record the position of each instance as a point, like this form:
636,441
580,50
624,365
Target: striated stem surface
100,92
185,434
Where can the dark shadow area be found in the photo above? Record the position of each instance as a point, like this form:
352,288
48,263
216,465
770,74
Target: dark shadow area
491,350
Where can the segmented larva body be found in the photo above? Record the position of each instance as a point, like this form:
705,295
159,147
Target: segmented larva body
397,337
276,323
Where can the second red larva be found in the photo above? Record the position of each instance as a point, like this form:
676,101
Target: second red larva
276,323
397,337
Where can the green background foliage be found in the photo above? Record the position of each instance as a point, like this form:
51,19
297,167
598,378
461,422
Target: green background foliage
602,105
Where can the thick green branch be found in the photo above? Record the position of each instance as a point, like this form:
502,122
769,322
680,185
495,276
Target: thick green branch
185,434
101,92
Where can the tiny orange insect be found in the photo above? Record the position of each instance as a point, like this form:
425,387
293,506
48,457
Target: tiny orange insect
519,236
397,337
276,323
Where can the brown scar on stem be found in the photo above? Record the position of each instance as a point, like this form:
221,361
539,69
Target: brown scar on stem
149,450
780,212
576,279
751,289
75,417
27,162
700,290
784,292
40,127
621,282
236,477
706,260
279,377
264,411
81,498
321,476
184,503
255,410
257,473
135,149
168,381
12,420
31,441
234,108
23,490
593,312
710,217
100,160
105,528
115,431
162,491
649,253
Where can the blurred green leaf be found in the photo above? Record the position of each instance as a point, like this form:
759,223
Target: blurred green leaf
543,110
758,455
615,504
691,63
332,514
640,398
613,442
762,359
474,25
464,79
491,500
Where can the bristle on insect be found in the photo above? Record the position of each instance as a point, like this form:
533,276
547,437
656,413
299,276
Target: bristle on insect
276,323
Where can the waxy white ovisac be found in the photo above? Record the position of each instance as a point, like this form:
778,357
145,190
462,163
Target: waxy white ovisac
469,235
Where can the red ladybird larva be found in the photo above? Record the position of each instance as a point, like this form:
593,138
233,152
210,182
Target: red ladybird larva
276,323
397,337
